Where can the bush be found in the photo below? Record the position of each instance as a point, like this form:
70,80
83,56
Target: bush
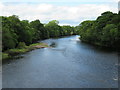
21,45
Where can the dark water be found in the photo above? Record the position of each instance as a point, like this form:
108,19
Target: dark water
70,63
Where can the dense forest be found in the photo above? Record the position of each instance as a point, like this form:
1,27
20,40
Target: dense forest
104,31
15,31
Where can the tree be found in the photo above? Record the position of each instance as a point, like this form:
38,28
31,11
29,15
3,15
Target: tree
9,37
17,33
110,34
36,28
27,33
104,31
53,28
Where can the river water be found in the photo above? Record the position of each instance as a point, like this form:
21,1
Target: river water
69,64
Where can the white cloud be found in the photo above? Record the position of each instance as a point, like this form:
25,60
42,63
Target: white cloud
59,0
47,12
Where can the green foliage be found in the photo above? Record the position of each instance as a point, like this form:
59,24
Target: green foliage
8,39
18,36
5,56
27,32
22,49
21,45
41,44
13,52
17,33
53,28
36,26
68,30
103,31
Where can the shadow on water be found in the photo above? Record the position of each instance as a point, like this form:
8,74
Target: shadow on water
98,48
13,59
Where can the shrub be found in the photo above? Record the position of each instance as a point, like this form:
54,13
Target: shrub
21,45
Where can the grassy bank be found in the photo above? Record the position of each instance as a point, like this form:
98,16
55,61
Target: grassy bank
20,50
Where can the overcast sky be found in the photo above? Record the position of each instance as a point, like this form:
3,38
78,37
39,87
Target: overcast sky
67,12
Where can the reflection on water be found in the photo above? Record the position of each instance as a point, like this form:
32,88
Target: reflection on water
69,64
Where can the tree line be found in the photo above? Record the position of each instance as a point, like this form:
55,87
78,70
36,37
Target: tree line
15,31
104,31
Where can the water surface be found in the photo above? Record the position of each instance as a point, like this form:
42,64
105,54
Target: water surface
69,64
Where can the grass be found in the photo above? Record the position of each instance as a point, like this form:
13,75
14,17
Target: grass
5,56
41,44
16,51
13,52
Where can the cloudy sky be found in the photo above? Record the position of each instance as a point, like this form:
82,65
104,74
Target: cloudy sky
67,12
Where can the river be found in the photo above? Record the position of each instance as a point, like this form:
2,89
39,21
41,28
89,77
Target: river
69,64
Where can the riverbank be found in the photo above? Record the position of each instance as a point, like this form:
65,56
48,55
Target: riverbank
13,52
